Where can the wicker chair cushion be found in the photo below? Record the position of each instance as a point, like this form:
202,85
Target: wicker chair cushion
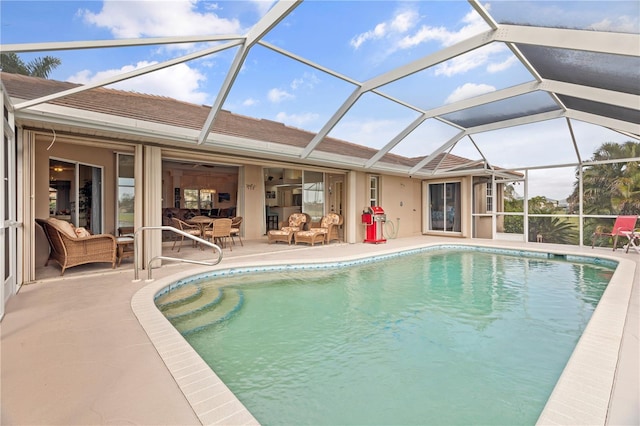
296,220
330,219
283,231
310,233
64,226
288,229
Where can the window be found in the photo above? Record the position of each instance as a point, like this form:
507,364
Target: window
489,198
199,199
190,198
207,198
126,191
374,191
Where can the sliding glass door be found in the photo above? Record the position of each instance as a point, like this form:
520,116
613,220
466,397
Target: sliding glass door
75,194
444,207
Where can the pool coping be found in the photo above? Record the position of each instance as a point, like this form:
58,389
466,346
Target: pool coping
581,395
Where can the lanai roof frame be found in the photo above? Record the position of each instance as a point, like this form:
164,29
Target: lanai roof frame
614,106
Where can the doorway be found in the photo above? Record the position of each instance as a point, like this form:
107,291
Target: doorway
444,212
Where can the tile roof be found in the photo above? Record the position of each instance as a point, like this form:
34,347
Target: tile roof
168,111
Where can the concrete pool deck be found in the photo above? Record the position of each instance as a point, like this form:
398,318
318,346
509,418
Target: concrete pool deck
77,349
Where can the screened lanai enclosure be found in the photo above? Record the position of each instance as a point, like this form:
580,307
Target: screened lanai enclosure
540,98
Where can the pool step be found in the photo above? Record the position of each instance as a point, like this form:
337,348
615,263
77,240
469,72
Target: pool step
208,296
177,296
228,304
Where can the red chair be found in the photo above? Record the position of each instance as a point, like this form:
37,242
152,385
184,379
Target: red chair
623,225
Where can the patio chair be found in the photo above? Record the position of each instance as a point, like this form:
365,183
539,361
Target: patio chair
329,227
236,222
622,226
295,222
68,249
188,228
219,231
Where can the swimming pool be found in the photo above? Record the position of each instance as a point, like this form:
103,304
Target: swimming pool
395,326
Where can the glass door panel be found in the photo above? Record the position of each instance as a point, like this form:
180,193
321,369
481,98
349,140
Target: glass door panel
90,198
444,207
313,195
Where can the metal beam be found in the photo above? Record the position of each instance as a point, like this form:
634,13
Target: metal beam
592,41
599,120
127,75
435,58
528,119
486,98
276,14
437,152
389,146
625,100
346,105
127,42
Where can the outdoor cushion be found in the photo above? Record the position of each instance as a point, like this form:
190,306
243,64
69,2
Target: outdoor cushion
66,227
82,232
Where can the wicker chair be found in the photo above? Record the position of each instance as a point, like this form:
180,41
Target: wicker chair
219,231
69,250
329,226
296,222
184,226
236,222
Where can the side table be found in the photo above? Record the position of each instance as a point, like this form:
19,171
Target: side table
125,248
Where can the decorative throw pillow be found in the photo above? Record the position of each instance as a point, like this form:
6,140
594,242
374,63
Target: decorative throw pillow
82,232
67,228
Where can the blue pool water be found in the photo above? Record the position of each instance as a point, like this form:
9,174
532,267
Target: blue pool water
450,337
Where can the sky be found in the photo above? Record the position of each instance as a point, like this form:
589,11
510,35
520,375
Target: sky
357,39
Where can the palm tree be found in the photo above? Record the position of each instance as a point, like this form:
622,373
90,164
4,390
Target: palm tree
556,230
39,67
610,188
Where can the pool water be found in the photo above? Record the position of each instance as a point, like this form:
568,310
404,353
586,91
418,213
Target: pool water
442,337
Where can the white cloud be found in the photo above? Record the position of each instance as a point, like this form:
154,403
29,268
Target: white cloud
308,80
178,82
469,90
262,6
468,61
139,18
473,24
501,66
250,102
276,95
400,23
625,24
297,120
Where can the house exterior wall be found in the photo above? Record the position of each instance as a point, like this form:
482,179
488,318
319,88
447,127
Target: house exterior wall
400,196
72,152
253,218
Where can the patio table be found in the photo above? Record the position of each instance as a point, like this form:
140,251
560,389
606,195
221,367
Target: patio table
202,222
